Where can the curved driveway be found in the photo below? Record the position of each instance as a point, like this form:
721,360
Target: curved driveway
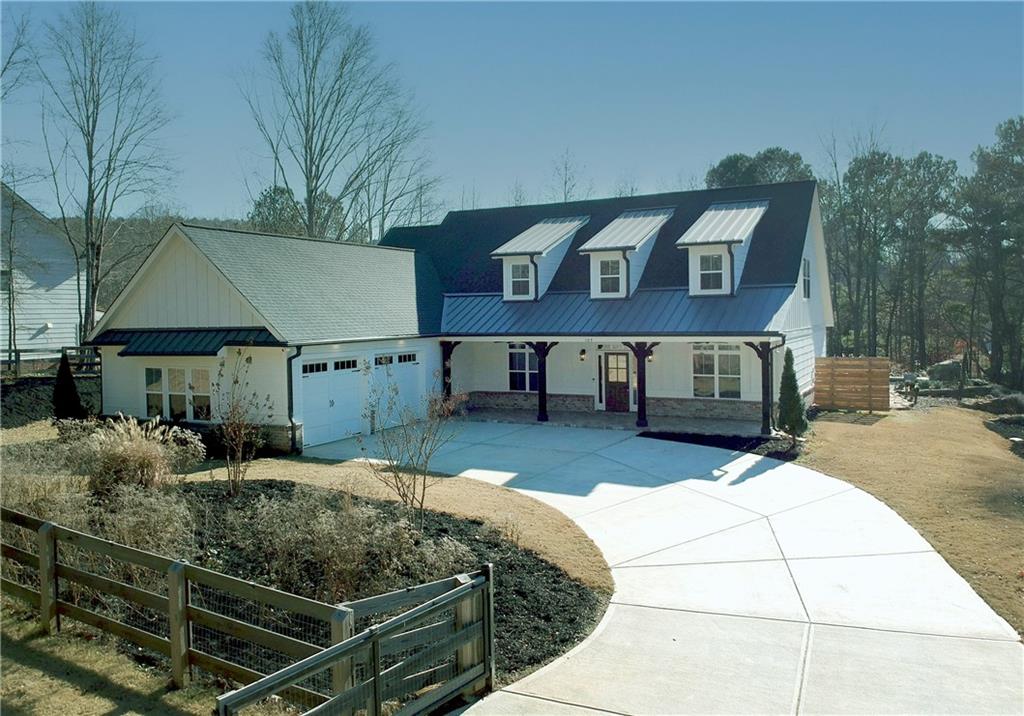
743,585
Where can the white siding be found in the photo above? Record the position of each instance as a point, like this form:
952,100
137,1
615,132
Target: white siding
180,288
479,366
43,274
124,378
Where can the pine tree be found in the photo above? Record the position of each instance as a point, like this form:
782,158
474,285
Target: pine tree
791,404
66,403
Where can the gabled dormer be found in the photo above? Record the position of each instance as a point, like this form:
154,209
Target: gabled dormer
529,261
718,243
619,252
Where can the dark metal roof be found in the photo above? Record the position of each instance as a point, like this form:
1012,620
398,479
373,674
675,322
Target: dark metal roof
182,341
461,245
648,312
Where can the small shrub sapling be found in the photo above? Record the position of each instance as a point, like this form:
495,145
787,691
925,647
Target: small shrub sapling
241,413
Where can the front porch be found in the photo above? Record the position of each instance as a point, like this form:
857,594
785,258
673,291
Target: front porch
720,385
619,421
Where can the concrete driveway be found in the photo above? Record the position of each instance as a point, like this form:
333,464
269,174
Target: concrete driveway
743,585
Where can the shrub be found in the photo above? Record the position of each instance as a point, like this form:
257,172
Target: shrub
147,454
338,552
70,430
792,418
66,403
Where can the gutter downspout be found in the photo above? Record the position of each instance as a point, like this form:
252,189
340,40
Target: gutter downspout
771,372
536,277
732,271
291,398
625,260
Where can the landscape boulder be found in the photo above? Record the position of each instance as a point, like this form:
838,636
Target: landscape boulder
999,404
948,371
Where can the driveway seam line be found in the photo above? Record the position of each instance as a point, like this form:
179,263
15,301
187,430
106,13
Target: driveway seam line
685,541
806,657
883,630
850,488
772,559
789,569
566,703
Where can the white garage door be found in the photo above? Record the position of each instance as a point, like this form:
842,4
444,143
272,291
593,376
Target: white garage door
332,400
401,370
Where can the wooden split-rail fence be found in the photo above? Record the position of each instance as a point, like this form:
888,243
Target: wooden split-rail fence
851,383
433,641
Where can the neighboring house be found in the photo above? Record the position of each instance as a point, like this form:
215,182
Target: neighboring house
38,282
663,305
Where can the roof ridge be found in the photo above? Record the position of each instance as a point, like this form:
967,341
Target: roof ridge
273,235
633,197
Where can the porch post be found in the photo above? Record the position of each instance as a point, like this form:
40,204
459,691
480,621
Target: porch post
764,352
541,350
447,348
641,352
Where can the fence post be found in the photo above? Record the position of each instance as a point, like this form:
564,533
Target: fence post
47,548
342,627
489,626
378,687
468,612
177,618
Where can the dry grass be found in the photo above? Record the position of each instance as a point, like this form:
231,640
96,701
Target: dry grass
39,431
81,671
951,478
524,520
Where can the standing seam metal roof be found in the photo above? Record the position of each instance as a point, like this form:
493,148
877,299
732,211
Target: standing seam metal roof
628,230
542,236
732,222
647,312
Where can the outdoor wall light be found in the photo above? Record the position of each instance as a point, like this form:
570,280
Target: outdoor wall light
583,354
650,358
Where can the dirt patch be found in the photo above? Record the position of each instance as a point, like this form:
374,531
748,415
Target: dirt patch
774,447
537,527
27,400
951,479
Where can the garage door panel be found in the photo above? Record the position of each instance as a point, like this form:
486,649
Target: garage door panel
332,401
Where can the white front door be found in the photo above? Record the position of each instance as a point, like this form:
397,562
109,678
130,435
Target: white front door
332,400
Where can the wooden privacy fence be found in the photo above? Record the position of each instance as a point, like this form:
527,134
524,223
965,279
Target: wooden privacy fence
199,618
851,383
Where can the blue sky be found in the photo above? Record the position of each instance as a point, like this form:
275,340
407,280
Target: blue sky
656,92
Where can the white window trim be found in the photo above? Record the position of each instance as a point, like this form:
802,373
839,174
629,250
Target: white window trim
805,284
165,392
596,258
507,263
695,273
715,350
527,372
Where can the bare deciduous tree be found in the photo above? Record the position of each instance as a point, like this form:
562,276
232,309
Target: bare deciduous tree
626,186
241,413
567,182
343,137
408,442
517,194
102,118
17,58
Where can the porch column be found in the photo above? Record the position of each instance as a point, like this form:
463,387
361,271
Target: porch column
447,348
541,350
764,352
641,352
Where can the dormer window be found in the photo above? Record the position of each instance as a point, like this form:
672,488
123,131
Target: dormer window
610,276
711,272
520,280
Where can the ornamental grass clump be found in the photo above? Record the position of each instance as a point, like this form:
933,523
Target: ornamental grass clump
149,454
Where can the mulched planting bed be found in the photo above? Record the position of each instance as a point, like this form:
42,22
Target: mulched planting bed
26,400
777,448
1009,426
540,612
